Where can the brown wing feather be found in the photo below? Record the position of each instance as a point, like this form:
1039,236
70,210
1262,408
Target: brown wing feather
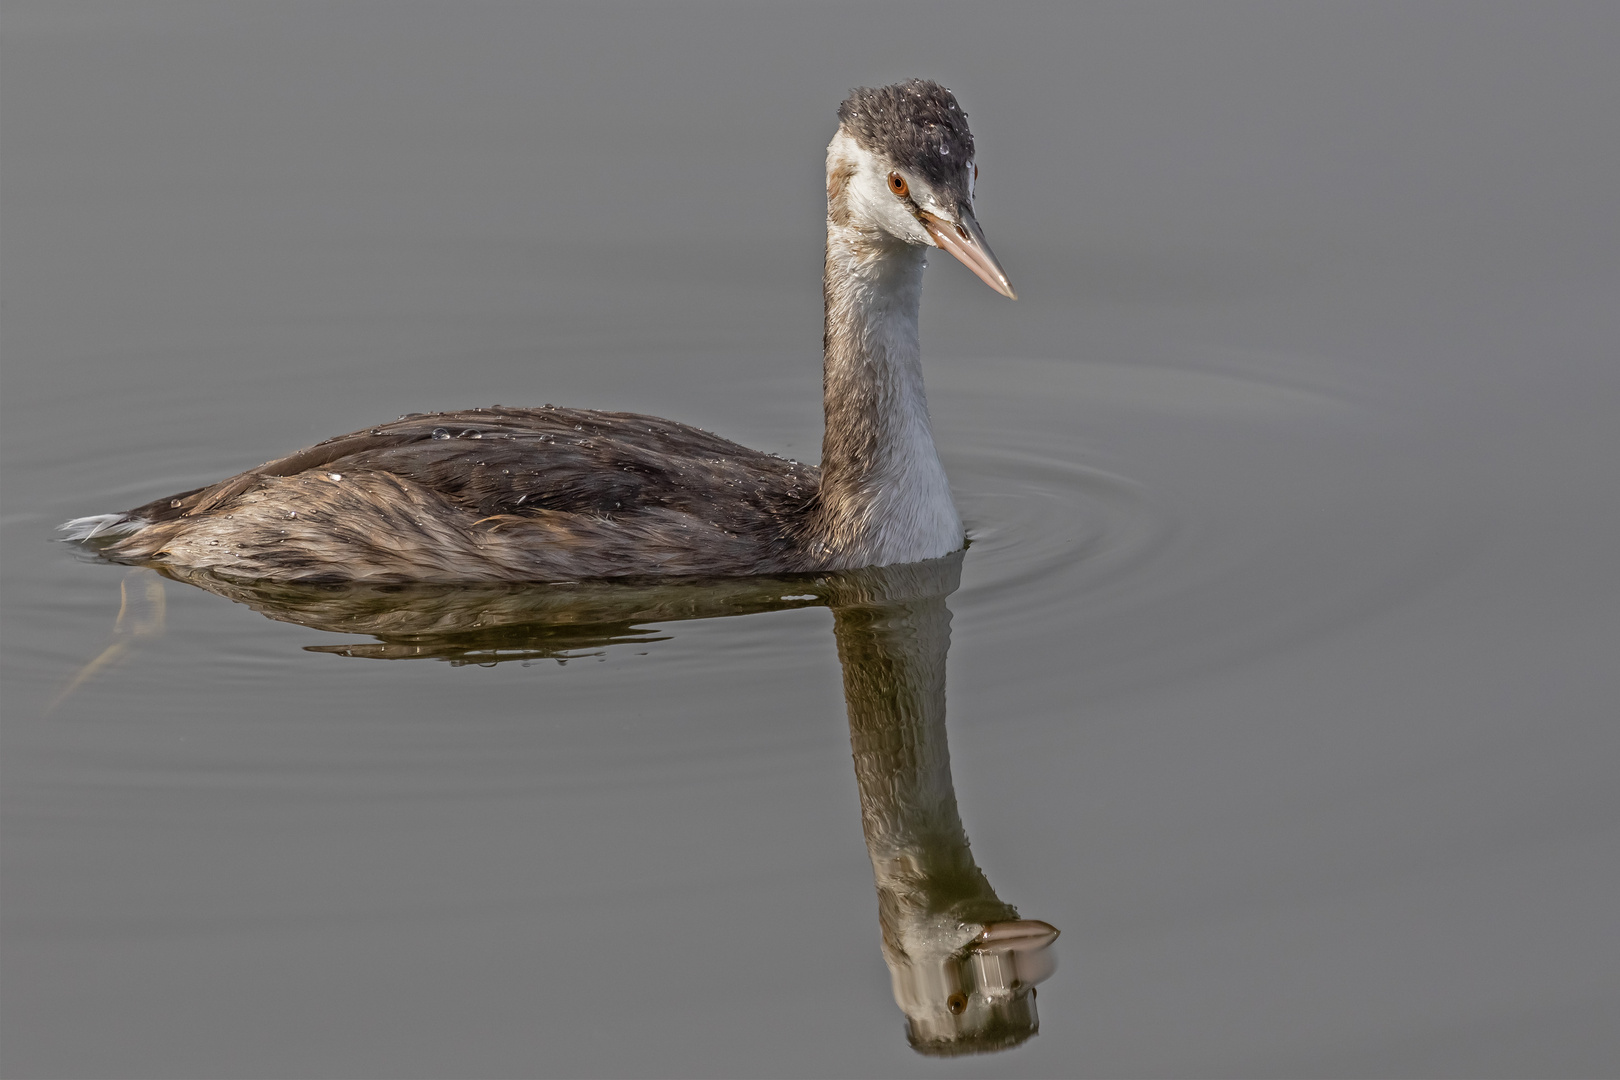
494,494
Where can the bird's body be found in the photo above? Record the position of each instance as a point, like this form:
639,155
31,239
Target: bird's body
543,494
492,495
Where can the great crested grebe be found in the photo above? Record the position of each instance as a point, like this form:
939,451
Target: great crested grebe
504,494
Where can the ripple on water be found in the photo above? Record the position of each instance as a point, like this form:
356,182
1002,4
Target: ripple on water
1158,520
1031,516
1146,520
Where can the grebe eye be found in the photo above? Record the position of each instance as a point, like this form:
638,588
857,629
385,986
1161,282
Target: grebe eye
975,172
897,184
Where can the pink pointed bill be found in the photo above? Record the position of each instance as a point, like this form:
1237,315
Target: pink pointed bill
966,241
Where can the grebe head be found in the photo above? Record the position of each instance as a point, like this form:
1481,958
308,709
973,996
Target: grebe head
902,164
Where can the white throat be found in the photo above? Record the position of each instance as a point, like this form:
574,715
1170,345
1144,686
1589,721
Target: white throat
885,496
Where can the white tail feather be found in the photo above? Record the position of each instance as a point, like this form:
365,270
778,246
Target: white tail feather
88,528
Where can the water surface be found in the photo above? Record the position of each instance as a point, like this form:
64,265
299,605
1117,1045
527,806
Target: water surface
1280,674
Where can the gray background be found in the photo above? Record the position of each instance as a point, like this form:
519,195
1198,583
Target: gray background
1283,676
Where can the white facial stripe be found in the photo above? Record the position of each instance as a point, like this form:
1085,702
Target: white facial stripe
925,198
871,203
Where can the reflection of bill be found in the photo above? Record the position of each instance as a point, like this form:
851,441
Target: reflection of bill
964,965
977,997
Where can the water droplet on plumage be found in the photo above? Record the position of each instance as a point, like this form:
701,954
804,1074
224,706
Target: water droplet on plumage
440,433
334,476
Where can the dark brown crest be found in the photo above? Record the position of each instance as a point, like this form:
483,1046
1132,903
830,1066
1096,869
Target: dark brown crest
916,124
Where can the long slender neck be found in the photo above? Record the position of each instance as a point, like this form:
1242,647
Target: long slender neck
884,495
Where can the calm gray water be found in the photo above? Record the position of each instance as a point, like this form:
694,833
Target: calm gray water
1282,676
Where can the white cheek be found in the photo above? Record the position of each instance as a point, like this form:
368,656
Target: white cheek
877,203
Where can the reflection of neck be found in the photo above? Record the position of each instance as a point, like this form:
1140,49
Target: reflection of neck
934,902
894,683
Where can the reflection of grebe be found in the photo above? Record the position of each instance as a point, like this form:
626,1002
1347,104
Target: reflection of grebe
539,494
964,965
